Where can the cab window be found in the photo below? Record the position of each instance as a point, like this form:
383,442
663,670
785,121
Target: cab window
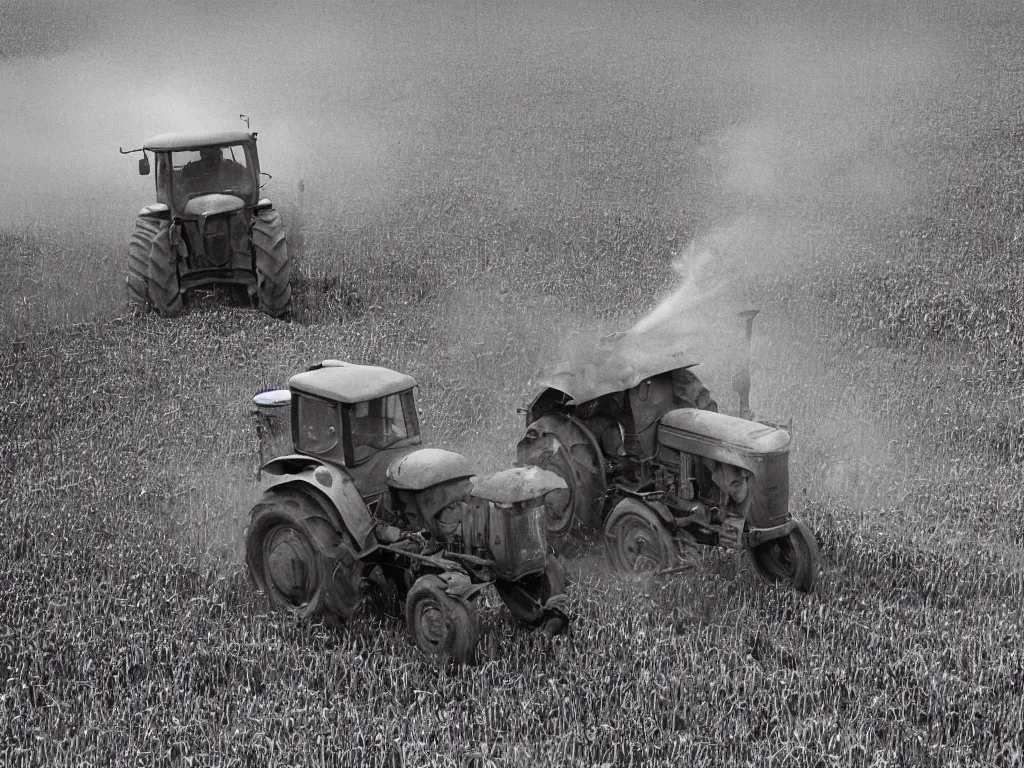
316,425
211,170
163,177
377,424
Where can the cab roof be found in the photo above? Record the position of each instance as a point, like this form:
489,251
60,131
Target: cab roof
174,142
350,383
618,362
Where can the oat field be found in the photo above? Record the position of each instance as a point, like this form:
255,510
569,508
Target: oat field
484,183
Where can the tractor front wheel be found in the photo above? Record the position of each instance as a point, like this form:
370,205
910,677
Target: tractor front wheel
527,598
273,264
296,556
638,542
442,625
793,558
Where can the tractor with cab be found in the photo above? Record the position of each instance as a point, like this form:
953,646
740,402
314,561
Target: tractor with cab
356,505
208,226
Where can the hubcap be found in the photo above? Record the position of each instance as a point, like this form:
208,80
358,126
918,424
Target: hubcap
432,624
782,556
640,546
291,565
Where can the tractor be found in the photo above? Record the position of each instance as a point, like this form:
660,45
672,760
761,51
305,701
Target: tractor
208,225
357,507
648,459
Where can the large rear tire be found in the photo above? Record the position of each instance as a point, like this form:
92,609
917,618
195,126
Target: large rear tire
273,264
442,625
152,274
793,559
526,598
562,445
137,277
299,560
638,542
164,286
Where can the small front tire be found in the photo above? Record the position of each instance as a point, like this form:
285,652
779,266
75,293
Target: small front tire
152,274
442,625
526,598
793,558
638,542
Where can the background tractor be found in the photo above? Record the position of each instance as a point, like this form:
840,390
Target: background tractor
647,458
358,505
208,225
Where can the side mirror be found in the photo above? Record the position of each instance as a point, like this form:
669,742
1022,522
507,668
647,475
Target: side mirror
144,166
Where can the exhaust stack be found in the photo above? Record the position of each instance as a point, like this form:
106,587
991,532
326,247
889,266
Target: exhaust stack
741,381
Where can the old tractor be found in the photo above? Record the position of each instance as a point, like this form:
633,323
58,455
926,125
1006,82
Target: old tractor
354,505
647,458
209,225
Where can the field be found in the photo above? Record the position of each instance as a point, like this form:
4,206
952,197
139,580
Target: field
485,183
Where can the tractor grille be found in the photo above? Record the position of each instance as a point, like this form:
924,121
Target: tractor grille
217,242
522,529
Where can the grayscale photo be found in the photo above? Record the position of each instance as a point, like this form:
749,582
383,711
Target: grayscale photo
477,384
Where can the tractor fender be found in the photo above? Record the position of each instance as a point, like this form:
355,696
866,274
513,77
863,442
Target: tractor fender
563,444
156,211
332,488
460,586
655,512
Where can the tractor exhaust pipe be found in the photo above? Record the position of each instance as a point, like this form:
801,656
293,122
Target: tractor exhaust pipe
741,381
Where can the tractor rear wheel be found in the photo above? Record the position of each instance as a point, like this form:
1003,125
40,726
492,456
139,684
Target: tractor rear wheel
273,264
793,558
442,625
638,542
526,598
137,277
296,556
164,286
564,446
152,274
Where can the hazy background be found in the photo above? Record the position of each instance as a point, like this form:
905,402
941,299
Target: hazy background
695,111
478,151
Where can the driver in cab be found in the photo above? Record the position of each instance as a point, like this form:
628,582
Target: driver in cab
211,171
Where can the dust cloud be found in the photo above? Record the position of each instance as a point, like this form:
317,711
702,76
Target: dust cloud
690,111
826,155
774,137
768,131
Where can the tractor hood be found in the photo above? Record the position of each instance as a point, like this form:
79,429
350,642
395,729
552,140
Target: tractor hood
516,485
721,437
427,467
210,205
617,362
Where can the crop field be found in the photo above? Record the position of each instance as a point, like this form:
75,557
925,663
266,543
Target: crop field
484,184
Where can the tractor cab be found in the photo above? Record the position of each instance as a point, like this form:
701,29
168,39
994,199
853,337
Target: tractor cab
360,417
196,171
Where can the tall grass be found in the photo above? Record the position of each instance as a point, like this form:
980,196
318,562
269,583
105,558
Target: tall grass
890,333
